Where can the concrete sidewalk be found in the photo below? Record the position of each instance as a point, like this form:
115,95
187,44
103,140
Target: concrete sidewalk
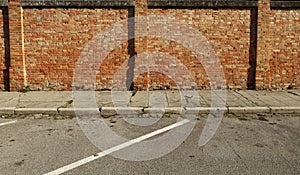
108,103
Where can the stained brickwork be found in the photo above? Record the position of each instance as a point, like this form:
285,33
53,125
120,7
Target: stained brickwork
228,32
263,79
47,38
17,69
141,81
285,53
55,38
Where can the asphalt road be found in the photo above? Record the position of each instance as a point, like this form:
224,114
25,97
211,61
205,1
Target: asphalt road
245,145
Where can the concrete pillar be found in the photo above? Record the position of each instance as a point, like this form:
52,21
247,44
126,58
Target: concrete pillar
17,71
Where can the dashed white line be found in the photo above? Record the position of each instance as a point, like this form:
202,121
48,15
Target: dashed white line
114,149
7,123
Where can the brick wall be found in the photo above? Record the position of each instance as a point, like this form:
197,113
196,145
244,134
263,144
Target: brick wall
54,40
228,32
47,37
285,54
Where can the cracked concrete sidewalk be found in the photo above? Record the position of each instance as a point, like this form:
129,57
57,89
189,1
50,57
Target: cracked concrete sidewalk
141,102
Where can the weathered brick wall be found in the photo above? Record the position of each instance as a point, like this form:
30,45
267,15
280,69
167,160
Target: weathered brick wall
285,53
55,38
17,65
228,32
47,37
2,51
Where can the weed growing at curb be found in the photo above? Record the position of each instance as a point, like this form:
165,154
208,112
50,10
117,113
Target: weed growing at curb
66,104
26,89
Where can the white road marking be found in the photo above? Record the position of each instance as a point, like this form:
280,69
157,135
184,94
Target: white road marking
7,123
114,149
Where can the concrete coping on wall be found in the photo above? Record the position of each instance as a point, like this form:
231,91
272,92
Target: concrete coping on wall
73,3
285,4
3,3
203,3
77,3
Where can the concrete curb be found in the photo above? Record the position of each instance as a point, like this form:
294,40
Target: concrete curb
110,111
9,110
285,110
249,110
73,111
26,111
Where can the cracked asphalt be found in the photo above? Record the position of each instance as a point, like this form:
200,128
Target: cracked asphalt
248,144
